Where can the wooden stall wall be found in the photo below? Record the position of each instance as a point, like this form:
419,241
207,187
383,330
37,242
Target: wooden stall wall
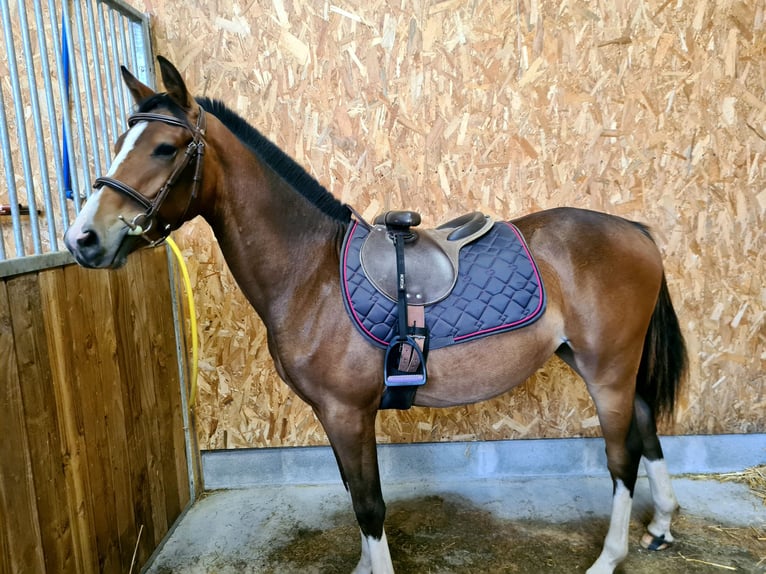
91,433
648,109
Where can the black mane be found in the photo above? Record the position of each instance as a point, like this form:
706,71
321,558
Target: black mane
278,160
269,153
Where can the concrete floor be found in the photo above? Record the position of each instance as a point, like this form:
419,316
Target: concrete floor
239,529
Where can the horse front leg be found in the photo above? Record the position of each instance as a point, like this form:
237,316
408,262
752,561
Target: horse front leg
352,435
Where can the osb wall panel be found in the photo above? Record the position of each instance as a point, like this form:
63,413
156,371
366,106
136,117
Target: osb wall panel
94,469
652,110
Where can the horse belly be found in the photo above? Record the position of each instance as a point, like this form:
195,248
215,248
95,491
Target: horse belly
482,369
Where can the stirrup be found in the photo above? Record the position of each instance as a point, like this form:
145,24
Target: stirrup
392,375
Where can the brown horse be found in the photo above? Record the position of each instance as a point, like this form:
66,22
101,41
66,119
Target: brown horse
609,314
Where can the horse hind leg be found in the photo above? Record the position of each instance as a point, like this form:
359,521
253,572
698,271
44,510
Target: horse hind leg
612,388
629,429
657,535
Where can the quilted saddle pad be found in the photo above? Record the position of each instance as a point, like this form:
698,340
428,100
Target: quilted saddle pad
498,289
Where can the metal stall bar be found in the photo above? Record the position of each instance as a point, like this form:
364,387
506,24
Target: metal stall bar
40,141
123,49
145,53
131,44
138,33
10,182
87,88
97,74
21,130
121,91
110,81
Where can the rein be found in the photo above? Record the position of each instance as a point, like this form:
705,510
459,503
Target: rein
150,220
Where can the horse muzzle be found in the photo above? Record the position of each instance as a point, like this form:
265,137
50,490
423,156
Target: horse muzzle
90,250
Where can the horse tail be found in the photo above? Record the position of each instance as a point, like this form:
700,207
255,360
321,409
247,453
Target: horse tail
664,359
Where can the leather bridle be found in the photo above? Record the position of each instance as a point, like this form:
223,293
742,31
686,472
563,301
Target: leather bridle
150,220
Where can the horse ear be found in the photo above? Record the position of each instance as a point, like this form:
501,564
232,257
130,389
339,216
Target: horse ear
174,84
138,90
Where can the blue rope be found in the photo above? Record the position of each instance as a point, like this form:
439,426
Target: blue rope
67,175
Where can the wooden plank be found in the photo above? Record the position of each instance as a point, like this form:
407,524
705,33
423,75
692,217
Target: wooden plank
63,363
117,465
161,312
17,491
84,292
5,553
127,295
117,354
165,371
6,350
146,385
41,416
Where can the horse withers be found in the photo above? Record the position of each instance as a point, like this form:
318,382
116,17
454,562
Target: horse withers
608,315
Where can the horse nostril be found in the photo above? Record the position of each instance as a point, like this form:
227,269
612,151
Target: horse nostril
87,238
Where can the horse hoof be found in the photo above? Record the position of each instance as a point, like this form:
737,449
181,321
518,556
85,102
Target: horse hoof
652,542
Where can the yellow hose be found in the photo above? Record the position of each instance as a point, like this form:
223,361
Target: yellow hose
192,318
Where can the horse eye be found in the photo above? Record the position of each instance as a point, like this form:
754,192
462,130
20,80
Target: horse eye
164,151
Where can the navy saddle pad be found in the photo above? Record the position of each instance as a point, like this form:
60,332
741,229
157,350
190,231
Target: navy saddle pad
498,289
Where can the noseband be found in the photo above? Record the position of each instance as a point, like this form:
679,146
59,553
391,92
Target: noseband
150,220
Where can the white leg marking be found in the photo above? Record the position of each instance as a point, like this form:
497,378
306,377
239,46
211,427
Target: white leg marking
376,558
616,542
365,563
664,498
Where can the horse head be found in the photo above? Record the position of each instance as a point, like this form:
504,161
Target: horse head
154,182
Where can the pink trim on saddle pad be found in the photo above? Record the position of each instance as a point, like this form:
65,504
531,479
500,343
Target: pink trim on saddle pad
347,293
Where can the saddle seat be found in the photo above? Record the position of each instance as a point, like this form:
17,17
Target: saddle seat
431,255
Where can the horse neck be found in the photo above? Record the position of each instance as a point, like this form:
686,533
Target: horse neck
274,240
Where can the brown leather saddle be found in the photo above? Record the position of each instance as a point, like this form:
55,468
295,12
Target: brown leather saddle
414,269
430,255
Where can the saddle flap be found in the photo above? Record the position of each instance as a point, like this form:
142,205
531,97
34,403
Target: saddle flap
431,258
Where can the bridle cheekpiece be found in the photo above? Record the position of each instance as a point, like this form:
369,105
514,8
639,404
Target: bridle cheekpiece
150,221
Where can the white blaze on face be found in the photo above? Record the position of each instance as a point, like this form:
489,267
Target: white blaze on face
127,146
88,212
